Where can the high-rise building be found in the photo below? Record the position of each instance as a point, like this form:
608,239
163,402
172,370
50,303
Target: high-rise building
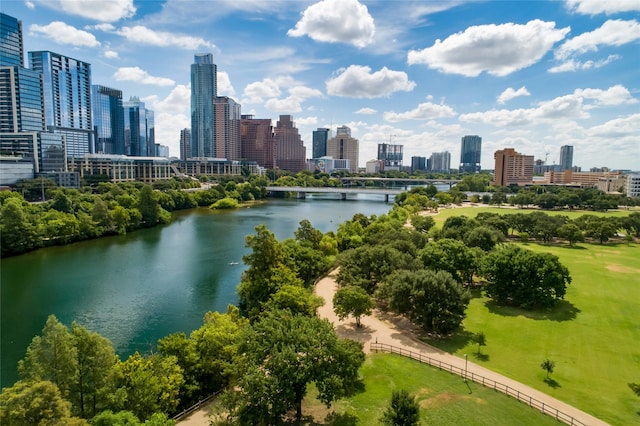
566,157
390,155
138,129
67,99
290,150
203,95
440,162
343,146
418,163
512,168
185,144
11,47
320,138
257,141
22,109
227,129
470,153
108,120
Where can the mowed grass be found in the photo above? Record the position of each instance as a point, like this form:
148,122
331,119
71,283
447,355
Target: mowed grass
444,398
593,335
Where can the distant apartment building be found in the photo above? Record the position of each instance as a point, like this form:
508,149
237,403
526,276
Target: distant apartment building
320,138
512,167
470,154
632,185
227,129
108,120
290,150
566,157
257,141
582,179
390,155
440,162
343,146
185,144
418,164
373,167
67,99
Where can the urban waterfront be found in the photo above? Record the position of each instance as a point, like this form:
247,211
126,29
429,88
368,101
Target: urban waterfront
137,288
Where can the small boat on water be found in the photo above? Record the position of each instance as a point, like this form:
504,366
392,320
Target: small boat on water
234,263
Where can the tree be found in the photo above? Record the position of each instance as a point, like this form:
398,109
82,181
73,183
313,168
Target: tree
19,233
433,300
149,206
571,233
635,388
29,403
484,237
352,300
422,223
548,366
601,228
279,356
523,278
51,357
480,339
296,299
452,256
403,410
307,234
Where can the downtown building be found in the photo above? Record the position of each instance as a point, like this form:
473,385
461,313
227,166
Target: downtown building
227,141
320,138
566,157
23,129
139,129
67,99
470,154
440,162
511,168
257,141
108,120
290,150
185,144
344,147
390,155
204,80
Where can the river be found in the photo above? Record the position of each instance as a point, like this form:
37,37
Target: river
137,288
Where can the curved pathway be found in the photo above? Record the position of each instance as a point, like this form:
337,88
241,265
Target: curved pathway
399,332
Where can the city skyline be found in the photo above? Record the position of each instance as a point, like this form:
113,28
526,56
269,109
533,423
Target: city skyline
400,73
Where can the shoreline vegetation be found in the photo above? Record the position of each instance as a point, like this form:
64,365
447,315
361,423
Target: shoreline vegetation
455,257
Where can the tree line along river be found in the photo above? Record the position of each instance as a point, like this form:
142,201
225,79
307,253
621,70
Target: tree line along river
137,288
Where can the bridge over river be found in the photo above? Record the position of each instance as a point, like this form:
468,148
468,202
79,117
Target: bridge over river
302,191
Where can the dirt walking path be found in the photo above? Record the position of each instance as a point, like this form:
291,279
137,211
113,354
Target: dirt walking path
396,331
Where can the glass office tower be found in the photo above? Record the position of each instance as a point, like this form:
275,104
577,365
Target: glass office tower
203,96
320,138
108,120
11,47
470,153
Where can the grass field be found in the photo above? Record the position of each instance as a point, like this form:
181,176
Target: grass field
444,398
593,335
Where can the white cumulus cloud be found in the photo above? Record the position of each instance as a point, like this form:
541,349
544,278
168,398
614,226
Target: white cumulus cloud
258,91
143,35
358,81
608,7
336,21
65,34
619,127
110,54
225,88
612,33
366,111
510,93
574,65
497,49
288,104
424,111
99,10
140,76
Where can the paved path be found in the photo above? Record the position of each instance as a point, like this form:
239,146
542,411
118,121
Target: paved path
396,331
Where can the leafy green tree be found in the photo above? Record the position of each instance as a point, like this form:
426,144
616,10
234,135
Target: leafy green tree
498,198
452,256
484,237
548,366
51,356
307,234
296,299
308,262
480,339
149,206
601,229
121,219
352,300
571,233
523,278
39,402
631,224
403,410
121,418
433,300
279,356
422,223
19,233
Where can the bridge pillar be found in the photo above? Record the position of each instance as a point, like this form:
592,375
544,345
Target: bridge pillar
343,195
302,194
386,198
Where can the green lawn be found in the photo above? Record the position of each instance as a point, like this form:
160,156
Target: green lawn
444,398
593,335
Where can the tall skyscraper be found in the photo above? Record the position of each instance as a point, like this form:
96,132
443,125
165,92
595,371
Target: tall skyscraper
257,141
418,163
22,108
512,167
470,154
11,47
227,129
138,129
343,146
67,99
390,155
150,128
320,138
108,120
185,144
203,95
566,157
440,162
290,150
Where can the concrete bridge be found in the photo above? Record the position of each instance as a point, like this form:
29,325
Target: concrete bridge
399,181
302,191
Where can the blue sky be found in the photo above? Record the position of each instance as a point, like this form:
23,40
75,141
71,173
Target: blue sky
532,75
